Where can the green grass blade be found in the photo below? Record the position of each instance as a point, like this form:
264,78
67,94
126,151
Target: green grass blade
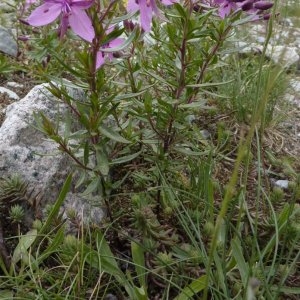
192,289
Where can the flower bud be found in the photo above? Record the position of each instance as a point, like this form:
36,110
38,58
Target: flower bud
263,5
129,25
23,38
247,5
266,16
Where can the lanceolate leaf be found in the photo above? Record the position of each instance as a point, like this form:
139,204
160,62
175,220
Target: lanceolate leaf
113,135
126,158
22,248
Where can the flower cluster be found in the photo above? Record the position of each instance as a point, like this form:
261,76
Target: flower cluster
255,7
147,8
73,14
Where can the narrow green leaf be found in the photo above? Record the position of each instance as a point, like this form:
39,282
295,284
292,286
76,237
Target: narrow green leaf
195,104
139,263
113,135
287,289
22,248
6,295
57,205
117,20
53,245
81,179
190,152
192,289
102,162
243,267
92,187
209,84
159,78
126,158
129,96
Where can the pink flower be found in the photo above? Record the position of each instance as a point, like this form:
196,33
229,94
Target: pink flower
226,6
71,13
254,7
101,55
147,8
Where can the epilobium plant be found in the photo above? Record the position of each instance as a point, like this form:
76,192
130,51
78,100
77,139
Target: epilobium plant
144,82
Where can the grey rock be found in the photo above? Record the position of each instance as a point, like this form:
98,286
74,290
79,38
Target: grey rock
248,48
287,22
283,55
23,148
26,152
12,95
284,184
8,44
293,93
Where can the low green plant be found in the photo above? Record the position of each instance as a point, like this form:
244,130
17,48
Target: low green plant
170,138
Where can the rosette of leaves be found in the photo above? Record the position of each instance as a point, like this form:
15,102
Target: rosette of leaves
15,192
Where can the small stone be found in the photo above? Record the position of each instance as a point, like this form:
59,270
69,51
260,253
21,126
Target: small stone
13,84
12,95
286,22
284,184
205,134
261,39
295,85
110,297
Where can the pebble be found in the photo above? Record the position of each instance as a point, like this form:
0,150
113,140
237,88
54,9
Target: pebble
295,85
12,95
205,134
284,184
13,84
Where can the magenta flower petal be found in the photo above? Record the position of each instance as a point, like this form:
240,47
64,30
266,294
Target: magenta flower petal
63,27
82,4
116,42
169,2
81,24
147,9
100,59
146,15
71,13
132,6
44,14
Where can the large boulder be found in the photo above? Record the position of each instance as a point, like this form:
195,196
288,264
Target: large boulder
27,152
24,150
